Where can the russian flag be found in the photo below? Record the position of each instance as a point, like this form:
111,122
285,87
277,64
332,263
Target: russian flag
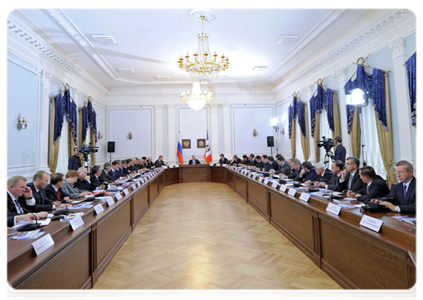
208,153
179,153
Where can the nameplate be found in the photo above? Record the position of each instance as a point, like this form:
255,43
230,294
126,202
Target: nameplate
371,223
274,184
266,181
224,165
134,186
176,166
216,165
283,188
98,208
333,209
110,201
292,192
305,197
126,192
252,175
138,183
76,222
42,244
165,167
118,196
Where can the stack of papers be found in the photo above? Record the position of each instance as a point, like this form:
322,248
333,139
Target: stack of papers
26,235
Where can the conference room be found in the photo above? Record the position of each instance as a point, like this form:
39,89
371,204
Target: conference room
211,149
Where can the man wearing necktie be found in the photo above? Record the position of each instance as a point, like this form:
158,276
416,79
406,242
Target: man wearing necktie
402,198
17,193
375,186
350,179
333,184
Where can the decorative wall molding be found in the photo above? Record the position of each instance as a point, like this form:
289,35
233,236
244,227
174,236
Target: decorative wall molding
312,35
24,43
375,37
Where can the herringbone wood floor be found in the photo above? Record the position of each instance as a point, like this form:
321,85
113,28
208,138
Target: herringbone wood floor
204,236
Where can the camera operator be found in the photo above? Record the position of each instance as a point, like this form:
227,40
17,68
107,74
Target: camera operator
74,160
340,151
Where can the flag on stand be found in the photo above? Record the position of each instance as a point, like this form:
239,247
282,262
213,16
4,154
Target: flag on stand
208,153
179,152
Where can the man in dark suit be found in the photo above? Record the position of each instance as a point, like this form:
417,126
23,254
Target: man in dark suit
350,177
340,151
74,160
283,166
295,165
258,163
375,186
402,198
274,163
194,161
95,182
149,164
159,162
266,164
333,183
104,176
42,203
308,172
18,193
235,161
323,174
223,160
54,191
114,173
251,161
244,160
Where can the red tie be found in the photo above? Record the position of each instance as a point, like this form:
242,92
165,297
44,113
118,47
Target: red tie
58,194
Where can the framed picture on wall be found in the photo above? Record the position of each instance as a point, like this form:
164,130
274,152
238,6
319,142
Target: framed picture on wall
186,144
201,143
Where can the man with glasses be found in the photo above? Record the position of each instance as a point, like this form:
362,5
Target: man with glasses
350,178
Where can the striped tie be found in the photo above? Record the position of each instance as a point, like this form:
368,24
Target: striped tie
18,206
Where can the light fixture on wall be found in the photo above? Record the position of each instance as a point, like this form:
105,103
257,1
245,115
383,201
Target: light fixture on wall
204,67
357,97
22,123
129,136
99,135
255,133
198,98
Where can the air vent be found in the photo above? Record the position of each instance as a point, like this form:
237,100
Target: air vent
286,39
163,78
259,68
125,70
104,39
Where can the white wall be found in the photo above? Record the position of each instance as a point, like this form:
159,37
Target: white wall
138,121
245,120
192,125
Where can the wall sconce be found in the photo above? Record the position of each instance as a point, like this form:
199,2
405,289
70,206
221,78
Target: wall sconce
255,133
282,130
22,123
129,136
99,136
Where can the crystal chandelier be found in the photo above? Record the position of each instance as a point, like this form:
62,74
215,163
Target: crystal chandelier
198,98
204,68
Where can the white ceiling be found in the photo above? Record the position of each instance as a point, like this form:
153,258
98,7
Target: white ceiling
151,41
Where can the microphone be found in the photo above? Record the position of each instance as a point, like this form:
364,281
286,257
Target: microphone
30,227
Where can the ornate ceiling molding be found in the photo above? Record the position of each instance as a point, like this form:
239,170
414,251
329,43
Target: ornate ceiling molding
340,56
24,42
306,40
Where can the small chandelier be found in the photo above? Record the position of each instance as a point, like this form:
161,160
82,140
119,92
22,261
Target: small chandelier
198,98
204,67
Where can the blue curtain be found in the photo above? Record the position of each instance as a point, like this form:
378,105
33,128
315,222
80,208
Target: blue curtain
84,122
374,86
379,96
301,117
411,73
60,109
292,113
92,118
322,99
71,112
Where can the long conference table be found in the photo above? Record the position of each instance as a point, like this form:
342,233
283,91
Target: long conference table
354,256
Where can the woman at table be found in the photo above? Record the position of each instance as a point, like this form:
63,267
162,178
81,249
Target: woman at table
68,186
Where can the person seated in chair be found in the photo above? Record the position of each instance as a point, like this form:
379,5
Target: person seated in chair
323,173
375,186
235,161
159,162
402,197
194,161
350,177
308,172
223,160
54,189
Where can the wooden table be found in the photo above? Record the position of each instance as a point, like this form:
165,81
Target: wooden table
352,255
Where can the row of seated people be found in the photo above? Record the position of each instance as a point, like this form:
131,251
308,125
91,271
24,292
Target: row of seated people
361,183
46,193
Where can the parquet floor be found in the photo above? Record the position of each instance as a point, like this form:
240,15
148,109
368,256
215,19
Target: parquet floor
204,236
